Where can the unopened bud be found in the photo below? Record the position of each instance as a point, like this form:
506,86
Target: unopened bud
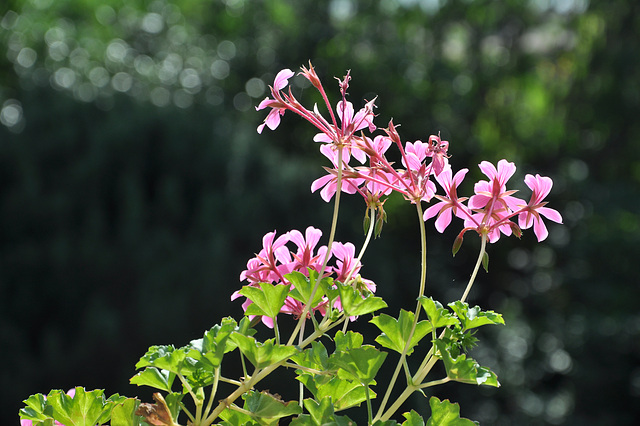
457,243
515,229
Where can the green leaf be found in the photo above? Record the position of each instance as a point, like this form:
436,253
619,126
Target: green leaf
350,340
315,357
155,378
344,393
267,300
303,287
111,402
361,363
413,419
463,369
210,349
235,418
37,410
395,333
437,314
164,357
474,317
354,304
444,413
321,413
173,400
485,261
262,354
264,405
84,409
123,413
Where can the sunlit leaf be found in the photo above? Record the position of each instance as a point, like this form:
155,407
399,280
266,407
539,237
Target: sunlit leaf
395,332
437,314
463,369
348,340
123,413
83,409
315,357
474,317
267,300
264,405
37,410
236,418
155,378
413,419
210,349
344,393
444,413
354,304
164,357
303,287
362,363
262,354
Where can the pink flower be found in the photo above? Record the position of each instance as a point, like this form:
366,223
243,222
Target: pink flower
493,202
438,152
415,154
530,215
345,133
494,189
275,260
278,107
305,258
329,184
449,204
346,263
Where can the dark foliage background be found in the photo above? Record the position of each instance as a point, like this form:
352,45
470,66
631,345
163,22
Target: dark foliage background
133,186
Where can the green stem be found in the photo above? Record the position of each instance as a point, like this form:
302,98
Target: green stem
367,240
188,413
483,246
369,411
301,385
434,383
334,225
430,360
423,280
258,375
276,330
214,390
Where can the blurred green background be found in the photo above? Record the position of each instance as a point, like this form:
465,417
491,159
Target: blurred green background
134,187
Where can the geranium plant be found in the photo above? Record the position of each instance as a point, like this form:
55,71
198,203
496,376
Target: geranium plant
322,291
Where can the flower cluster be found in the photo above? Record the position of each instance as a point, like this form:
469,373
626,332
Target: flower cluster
276,260
489,211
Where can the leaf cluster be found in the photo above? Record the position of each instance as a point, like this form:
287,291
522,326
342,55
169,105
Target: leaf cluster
84,408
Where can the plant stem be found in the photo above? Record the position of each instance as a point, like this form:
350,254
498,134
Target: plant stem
301,385
258,375
430,360
423,280
435,383
276,330
334,225
214,390
483,246
358,260
369,411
